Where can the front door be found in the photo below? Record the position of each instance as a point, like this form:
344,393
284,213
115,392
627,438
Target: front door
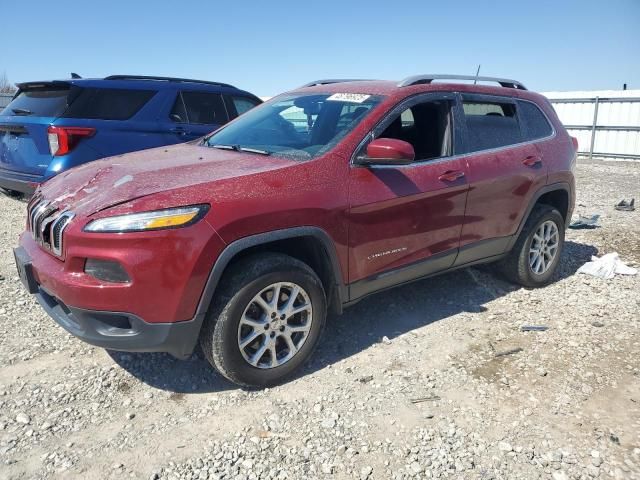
405,221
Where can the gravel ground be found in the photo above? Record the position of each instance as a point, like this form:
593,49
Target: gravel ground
431,380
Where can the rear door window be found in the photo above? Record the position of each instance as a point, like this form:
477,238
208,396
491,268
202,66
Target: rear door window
491,125
38,103
204,108
535,122
108,103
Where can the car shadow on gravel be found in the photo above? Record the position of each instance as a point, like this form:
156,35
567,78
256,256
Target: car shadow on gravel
162,371
387,314
406,308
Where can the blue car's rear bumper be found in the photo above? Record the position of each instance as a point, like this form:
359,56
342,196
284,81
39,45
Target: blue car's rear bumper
19,182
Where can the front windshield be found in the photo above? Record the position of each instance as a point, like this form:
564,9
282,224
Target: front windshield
300,127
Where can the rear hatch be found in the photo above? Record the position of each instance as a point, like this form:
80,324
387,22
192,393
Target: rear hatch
24,145
47,118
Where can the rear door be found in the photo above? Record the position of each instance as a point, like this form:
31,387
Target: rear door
195,114
504,170
24,146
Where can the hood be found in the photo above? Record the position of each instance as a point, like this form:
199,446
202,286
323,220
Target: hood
104,183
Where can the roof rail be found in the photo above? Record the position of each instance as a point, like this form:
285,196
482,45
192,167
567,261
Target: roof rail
421,79
165,79
332,80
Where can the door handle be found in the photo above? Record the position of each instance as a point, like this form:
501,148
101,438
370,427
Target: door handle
178,130
451,176
532,161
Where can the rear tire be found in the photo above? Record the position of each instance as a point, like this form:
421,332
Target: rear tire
536,254
254,340
11,193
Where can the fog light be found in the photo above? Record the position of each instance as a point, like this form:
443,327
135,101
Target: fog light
106,270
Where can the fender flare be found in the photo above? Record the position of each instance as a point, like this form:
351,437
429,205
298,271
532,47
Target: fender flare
236,247
534,199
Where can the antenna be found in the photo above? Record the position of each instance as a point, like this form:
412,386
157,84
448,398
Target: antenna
477,74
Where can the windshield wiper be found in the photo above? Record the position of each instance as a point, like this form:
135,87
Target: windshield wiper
21,111
254,150
225,147
238,148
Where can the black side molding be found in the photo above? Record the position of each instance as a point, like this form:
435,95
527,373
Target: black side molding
399,276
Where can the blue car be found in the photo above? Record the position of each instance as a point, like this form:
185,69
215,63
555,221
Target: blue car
52,126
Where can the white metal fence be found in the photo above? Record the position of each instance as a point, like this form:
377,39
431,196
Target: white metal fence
606,123
5,98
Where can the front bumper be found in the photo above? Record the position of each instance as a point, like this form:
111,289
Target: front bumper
167,269
111,330
123,331
159,310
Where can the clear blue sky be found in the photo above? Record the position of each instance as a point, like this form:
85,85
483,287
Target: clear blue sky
271,46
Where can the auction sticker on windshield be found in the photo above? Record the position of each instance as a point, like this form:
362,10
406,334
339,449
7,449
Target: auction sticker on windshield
348,97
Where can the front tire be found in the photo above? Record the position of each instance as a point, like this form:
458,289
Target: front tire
536,254
265,321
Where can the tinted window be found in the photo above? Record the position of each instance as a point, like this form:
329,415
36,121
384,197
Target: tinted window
38,103
205,108
108,103
491,125
243,104
536,123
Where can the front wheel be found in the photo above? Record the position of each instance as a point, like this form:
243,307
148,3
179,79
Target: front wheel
536,254
266,320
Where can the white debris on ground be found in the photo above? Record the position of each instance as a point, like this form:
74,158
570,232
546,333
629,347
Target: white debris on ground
607,266
431,380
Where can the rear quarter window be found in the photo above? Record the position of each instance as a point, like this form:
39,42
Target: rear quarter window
535,122
491,125
108,103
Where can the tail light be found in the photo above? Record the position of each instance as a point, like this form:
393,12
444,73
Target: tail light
575,143
63,139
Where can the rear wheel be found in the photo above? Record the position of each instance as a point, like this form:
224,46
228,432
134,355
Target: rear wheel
536,254
11,193
266,320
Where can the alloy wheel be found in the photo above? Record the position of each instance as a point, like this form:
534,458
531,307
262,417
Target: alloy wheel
544,247
274,325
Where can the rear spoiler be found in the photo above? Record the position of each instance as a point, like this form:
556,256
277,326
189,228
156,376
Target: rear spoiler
46,84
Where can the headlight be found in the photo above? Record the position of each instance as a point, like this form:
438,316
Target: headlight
155,220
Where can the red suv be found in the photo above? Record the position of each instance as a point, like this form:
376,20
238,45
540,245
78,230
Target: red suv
245,240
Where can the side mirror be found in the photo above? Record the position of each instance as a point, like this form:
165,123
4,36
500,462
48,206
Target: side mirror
388,151
176,118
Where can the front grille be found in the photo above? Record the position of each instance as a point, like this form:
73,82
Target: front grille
47,223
